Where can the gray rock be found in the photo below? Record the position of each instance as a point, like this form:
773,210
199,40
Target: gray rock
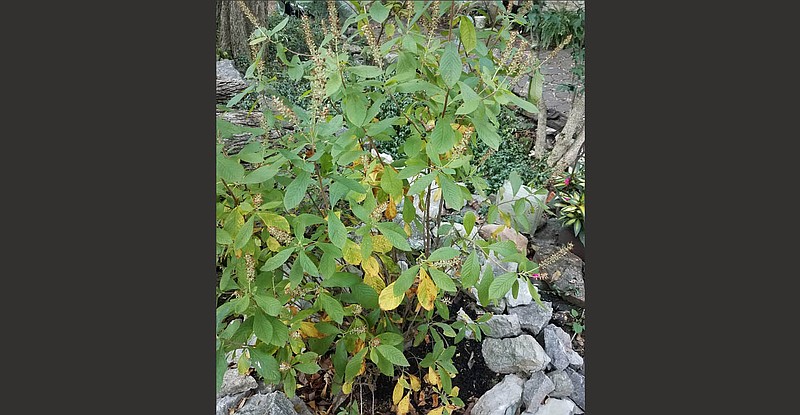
275,403
578,394
555,406
498,266
226,69
229,81
505,234
535,390
533,317
524,296
227,402
233,383
504,325
505,200
496,307
558,346
564,275
503,399
514,355
300,407
562,382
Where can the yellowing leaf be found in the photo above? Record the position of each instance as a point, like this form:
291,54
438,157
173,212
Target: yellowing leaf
397,394
497,231
407,228
380,243
375,282
454,391
273,244
426,291
352,252
310,330
436,411
391,210
347,387
415,383
433,378
405,405
370,266
387,300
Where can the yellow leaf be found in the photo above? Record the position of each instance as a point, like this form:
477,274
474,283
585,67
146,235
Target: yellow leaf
433,378
273,244
310,330
415,383
380,243
375,282
397,394
352,252
426,291
455,391
497,231
391,210
436,411
347,387
437,194
387,300
370,267
407,228
405,405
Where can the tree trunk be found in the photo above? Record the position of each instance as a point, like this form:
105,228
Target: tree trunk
541,131
235,28
572,153
565,139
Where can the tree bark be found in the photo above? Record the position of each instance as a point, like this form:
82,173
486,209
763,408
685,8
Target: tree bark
572,153
541,131
235,28
565,138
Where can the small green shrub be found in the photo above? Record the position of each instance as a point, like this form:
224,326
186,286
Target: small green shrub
570,200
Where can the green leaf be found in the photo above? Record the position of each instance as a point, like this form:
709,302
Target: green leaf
332,307
262,327
262,174
355,108
470,270
296,190
395,234
421,183
229,169
378,11
393,355
390,184
336,230
450,65
349,183
269,304
516,182
442,137
521,102
280,334
486,131
341,279
451,192
501,285
446,329
244,234
307,368
222,366
333,85
265,365
470,98
223,237
412,147
278,27
354,365
366,71
443,253
483,286
364,295
389,338
277,260
307,263
466,31
469,222
405,280
442,280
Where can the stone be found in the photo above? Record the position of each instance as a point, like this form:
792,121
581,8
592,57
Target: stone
533,317
521,354
228,402
275,403
233,383
506,234
498,266
502,399
504,325
524,296
564,274
535,390
506,198
300,407
555,406
562,382
229,81
495,307
558,346
578,394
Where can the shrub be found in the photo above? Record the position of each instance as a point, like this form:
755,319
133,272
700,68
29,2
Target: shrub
314,261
